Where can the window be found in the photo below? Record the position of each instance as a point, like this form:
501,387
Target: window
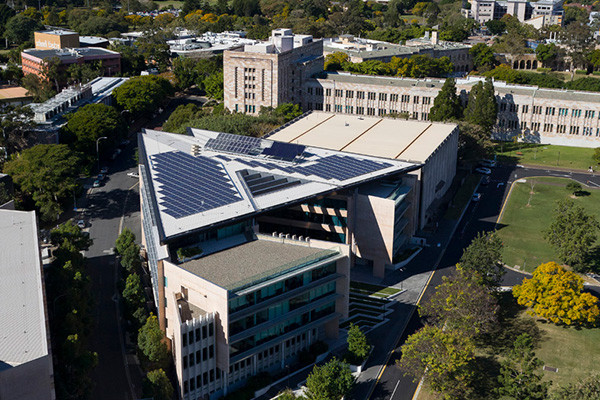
349,109
184,339
319,106
185,362
416,99
327,107
327,92
212,375
211,351
525,109
360,95
204,354
360,110
186,387
426,100
198,357
548,127
502,106
338,92
576,113
338,108
587,131
199,381
371,95
589,113
211,329
192,384
523,125
513,108
574,130
393,97
549,110
319,91
350,94
563,112
535,126
382,96
561,128
405,98
166,281
204,335
370,111
309,90
415,115
537,109
381,112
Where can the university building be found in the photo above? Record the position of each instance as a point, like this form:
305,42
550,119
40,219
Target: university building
539,14
250,241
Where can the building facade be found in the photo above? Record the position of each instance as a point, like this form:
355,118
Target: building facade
56,39
268,74
540,13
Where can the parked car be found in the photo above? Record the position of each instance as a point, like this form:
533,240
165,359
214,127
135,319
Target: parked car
81,223
483,170
101,177
488,163
104,170
133,174
476,197
97,183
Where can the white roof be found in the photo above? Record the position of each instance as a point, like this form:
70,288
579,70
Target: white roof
399,139
224,176
23,335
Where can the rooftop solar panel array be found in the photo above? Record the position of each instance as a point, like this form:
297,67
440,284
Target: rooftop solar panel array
234,144
191,185
284,151
330,167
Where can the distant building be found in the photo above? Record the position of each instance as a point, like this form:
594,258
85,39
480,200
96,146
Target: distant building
539,14
270,73
26,370
14,96
359,50
56,39
208,44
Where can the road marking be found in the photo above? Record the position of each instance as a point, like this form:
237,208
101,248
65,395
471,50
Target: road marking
394,392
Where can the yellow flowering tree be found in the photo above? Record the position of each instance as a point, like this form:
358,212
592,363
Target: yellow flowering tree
556,294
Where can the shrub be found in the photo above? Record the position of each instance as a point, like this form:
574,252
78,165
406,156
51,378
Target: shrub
581,72
544,69
187,252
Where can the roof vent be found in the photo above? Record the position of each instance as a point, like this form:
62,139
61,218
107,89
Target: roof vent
195,150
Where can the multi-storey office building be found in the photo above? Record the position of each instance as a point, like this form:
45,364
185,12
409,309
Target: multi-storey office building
236,293
270,73
539,14
537,115
25,354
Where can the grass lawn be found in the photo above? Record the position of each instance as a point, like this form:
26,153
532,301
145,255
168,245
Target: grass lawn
373,290
545,155
462,197
173,4
521,226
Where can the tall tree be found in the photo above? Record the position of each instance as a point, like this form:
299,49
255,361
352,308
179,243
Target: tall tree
158,385
20,28
17,128
143,94
483,57
463,304
546,53
150,341
39,88
331,381
484,257
442,357
48,174
482,108
572,233
556,294
520,378
358,346
446,105
125,239
133,293
587,388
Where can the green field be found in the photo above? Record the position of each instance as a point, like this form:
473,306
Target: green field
545,155
521,225
174,4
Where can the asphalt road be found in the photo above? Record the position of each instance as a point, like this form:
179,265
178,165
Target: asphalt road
480,216
108,207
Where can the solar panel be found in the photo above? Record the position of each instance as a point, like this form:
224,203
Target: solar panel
284,151
190,185
234,144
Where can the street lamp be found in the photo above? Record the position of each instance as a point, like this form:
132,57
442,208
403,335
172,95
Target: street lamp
98,151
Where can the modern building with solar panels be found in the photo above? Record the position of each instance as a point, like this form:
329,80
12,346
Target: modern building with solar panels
250,243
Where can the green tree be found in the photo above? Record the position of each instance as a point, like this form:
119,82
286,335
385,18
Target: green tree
474,142
213,85
158,385
125,240
133,292
182,115
520,376
130,259
5,195
150,341
484,257
185,72
446,105
52,70
83,73
584,389
69,236
546,53
358,346
496,27
463,304
142,94
20,28
573,187
17,128
596,156
329,382
48,174
442,357
335,61
40,89
6,13
483,57
91,122
572,233
482,108
132,61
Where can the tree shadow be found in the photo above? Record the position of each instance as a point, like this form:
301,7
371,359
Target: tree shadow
582,193
594,259
486,370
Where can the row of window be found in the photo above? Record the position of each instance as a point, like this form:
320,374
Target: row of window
539,110
206,354
549,128
201,380
370,111
349,94
198,334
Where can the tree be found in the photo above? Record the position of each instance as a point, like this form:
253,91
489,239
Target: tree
596,156
68,236
48,174
150,341
213,85
474,142
40,89
20,28
158,385
142,94
572,233
483,57
334,61
6,13
557,295
546,53
573,187
130,259
125,240
484,257
584,389
83,73
331,381
52,71
442,358
134,292
181,116
462,304
185,72
496,27
482,108
91,122
17,128
446,105
5,195
358,346
519,377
